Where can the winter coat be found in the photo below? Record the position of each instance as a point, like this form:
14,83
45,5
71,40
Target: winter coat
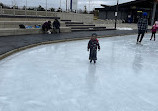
93,44
154,28
56,24
142,24
46,25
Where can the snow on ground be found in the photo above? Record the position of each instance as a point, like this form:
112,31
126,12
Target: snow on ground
124,28
59,77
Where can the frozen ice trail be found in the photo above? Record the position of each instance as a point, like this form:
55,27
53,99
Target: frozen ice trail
59,77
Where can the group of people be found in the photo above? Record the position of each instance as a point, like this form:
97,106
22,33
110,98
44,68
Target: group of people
143,27
93,43
47,27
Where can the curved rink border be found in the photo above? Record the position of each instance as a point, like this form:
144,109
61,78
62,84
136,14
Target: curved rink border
50,42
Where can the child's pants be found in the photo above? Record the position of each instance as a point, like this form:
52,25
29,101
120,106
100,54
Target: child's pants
93,54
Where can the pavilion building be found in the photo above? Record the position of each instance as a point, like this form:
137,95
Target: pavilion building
130,11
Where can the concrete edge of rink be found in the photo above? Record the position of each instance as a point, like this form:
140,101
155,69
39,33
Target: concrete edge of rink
9,53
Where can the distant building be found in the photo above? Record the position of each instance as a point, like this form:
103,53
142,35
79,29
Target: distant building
129,11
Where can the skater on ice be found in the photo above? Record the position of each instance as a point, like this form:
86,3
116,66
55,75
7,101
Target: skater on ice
154,29
142,27
93,45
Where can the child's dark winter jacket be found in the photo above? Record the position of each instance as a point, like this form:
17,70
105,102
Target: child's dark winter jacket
93,44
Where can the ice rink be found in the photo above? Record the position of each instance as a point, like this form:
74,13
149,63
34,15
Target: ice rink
59,77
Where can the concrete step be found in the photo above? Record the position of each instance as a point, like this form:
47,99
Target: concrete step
65,20
15,24
79,25
69,23
77,30
85,27
17,31
91,29
26,18
88,27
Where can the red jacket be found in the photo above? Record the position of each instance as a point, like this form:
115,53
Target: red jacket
154,28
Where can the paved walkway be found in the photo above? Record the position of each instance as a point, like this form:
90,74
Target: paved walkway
14,42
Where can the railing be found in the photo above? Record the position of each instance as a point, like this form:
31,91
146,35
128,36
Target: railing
26,12
86,18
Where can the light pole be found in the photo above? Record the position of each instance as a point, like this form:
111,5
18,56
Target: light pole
89,5
154,10
14,4
71,5
66,5
116,14
26,8
60,3
46,7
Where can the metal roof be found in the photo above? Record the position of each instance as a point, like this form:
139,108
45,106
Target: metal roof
145,3
128,5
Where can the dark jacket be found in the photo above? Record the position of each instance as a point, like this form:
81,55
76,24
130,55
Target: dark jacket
47,25
93,44
56,24
142,24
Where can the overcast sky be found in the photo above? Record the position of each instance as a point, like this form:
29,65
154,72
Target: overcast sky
56,3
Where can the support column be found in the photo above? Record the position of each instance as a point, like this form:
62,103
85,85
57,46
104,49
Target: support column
14,10
116,14
36,12
153,14
46,9
26,9
66,6
1,10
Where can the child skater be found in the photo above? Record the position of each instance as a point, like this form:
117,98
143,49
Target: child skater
93,45
154,29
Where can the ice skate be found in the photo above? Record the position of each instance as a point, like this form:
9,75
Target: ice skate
139,43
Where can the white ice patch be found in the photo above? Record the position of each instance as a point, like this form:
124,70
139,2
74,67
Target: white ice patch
124,28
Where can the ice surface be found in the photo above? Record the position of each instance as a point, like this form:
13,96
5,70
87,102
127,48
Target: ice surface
59,77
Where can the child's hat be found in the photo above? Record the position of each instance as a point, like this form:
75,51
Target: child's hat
145,13
94,35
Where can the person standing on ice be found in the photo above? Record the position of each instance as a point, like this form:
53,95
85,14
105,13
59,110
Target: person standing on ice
142,27
93,45
154,29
